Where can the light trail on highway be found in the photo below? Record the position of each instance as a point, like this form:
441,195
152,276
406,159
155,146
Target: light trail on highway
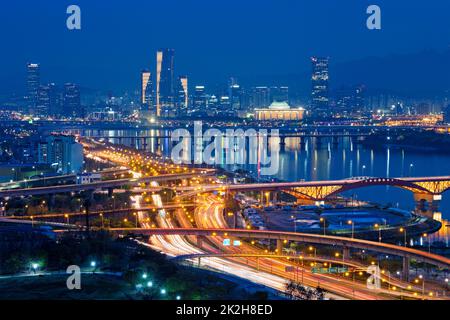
209,214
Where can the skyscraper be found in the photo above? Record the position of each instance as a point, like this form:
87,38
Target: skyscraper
235,97
55,100
165,98
350,99
279,94
146,90
72,100
320,90
200,99
33,83
182,95
260,97
49,100
43,100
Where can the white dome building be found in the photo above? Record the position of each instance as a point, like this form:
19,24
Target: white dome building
279,111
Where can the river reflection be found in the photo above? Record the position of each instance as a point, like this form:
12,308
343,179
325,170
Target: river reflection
325,160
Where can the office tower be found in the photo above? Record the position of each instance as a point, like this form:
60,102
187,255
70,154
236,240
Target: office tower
320,77
350,99
260,97
225,106
164,82
33,83
49,100
62,152
182,95
43,100
72,100
423,108
200,99
213,105
55,100
279,94
146,90
235,97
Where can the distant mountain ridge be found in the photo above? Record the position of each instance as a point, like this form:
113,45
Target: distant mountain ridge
423,74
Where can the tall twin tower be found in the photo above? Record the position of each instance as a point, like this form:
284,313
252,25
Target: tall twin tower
168,98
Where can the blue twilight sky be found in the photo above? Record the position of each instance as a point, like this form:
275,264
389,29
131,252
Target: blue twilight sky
213,39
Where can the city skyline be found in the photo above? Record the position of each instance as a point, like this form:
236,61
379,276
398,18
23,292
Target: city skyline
225,150
276,49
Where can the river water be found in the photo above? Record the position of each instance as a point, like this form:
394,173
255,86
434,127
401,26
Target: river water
328,161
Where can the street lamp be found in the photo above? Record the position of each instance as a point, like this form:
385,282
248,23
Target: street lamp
411,166
403,230
322,220
377,226
311,248
35,266
353,227
67,218
136,218
425,235
103,222
163,291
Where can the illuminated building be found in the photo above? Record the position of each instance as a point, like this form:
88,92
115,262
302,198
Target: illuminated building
62,152
235,97
350,100
33,83
260,97
43,100
146,90
320,90
183,95
72,100
200,99
165,101
279,111
279,94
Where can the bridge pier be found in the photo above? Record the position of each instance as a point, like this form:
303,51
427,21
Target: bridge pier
346,253
144,143
275,197
51,202
405,269
279,246
427,204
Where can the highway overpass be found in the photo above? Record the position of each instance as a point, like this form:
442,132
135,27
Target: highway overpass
108,184
280,236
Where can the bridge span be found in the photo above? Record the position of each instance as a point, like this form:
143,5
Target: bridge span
425,189
107,184
273,256
345,243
